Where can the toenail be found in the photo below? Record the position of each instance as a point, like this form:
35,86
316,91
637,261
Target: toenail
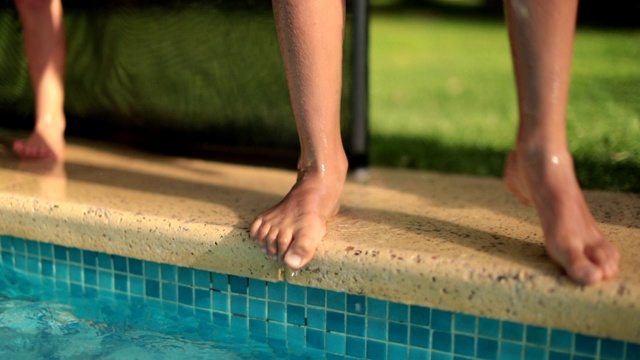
293,260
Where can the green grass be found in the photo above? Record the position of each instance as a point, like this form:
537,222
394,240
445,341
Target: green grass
443,98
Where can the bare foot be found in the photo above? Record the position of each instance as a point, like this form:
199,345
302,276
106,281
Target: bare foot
292,229
45,142
545,179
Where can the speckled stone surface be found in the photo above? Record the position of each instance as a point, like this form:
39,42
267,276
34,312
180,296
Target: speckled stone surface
451,242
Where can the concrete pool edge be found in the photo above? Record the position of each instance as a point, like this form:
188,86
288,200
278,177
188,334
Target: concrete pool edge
439,265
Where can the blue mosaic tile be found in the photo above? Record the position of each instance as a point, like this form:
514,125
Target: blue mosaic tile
512,331
316,297
20,262
47,268
561,340
238,285
418,354
355,325
511,350
151,270
336,321
296,337
420,336
587,345
581,357
276,330
168,273
75,255
276,291
356,304
185,276
221,319
376,350
296,294
201,279
537,335
89,258
442,341
295,314
441,320
487,349
239,323
33,265
75,273
336,300
464,345
185,295
220,282
398,333
556,355
221,301
6,243
465,323
32,248
276,311
355,347
633,352
152,288
258,288
436,355
169,292
135,266
398,312
376,308
315,339
46,250
377,329
316,318
611,349
258,327
488,327
136,285
239,305
534,353
257,309
121,282
119,263
104,260
203,298
336,343
19,246
7,258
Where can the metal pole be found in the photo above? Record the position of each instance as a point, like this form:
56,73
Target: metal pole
359,149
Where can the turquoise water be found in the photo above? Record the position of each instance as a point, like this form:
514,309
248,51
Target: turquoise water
37,324
65,303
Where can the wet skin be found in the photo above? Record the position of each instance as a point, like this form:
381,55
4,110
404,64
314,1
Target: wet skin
539,170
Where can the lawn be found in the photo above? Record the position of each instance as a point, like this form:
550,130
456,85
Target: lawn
443,97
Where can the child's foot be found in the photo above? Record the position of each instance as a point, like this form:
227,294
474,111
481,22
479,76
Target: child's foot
45,142
292,229
546,180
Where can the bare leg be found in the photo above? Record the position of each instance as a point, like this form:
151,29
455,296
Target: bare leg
44,39
540,169
310,34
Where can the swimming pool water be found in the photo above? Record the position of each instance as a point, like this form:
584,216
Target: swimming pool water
66,303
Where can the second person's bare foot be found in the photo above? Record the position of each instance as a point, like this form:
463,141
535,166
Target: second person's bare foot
45,142
292,229
545,179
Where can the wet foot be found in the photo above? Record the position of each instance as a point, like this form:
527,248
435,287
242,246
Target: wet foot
45,142
546,180
292,229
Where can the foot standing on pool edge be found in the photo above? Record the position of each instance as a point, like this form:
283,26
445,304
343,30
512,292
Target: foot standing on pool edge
310,34
44,43
539,171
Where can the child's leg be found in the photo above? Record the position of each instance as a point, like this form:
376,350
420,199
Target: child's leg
540,169
310,34
44,39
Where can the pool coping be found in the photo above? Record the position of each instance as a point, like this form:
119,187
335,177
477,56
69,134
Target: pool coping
467,245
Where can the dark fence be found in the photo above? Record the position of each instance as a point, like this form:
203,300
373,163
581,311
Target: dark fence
189,77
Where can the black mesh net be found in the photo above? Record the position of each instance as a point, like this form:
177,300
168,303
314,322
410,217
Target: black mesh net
178,75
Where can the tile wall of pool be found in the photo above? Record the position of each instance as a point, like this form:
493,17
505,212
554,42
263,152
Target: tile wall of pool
344,326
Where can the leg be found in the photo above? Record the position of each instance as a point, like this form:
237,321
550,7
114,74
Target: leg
540,169
310,34
44,39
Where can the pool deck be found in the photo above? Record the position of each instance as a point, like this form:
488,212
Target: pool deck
459,243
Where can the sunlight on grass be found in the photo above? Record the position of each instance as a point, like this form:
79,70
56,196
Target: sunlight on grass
443,97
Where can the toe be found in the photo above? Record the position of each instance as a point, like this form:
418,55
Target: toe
606,257
581,269
271,240
302,248
284,241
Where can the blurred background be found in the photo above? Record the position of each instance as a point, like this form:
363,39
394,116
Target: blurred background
204,78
